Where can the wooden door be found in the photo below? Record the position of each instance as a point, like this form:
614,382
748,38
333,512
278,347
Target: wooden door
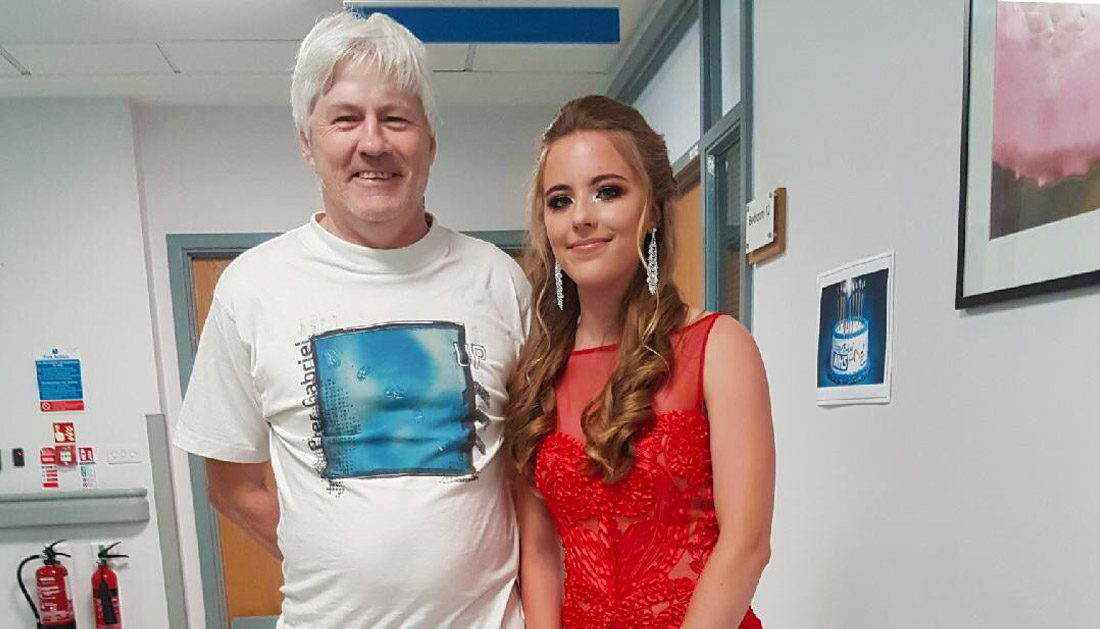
252,576
687,225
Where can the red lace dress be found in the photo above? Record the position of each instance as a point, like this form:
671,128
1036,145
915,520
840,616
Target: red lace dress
634,549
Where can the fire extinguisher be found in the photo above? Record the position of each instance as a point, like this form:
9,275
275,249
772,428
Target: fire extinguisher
55,606
105,591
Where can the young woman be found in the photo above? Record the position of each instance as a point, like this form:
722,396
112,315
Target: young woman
640,426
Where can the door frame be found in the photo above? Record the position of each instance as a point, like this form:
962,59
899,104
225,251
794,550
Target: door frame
723,136
183,249
668,22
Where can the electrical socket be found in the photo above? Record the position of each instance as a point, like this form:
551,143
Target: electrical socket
123,454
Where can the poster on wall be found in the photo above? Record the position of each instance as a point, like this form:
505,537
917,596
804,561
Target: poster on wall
86,456
60,384
47,460
1029,208
855,328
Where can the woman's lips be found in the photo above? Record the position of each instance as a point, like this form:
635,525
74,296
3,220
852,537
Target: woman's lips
588,245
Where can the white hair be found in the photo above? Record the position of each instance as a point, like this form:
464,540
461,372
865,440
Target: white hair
344,36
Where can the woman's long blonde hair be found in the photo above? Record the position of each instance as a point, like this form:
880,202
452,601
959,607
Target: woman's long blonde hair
612,421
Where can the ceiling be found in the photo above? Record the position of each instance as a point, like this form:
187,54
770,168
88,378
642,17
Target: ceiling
240,52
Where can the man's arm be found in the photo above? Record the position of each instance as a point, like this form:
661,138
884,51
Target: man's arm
245,493
540,572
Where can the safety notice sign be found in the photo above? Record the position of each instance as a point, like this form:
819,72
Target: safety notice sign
60,384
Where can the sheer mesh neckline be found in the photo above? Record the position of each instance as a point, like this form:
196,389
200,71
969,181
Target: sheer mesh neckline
611,346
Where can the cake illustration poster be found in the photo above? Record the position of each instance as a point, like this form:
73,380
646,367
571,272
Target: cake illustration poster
855,325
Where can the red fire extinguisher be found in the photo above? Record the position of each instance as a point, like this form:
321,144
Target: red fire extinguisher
55,606
105,591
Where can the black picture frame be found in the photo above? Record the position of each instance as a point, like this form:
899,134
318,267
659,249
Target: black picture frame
963,301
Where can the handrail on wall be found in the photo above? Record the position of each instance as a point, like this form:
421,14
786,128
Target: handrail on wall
89,506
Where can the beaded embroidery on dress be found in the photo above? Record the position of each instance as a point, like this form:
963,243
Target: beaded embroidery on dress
635,548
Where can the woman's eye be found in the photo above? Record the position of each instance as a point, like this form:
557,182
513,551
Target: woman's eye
609,192
557,203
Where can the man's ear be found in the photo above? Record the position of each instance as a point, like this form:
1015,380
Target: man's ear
307,153
432,148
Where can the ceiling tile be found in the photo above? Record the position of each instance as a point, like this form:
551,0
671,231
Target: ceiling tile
447,57
451,88
63,21
259,57
83,59
232,57
508,88
544,58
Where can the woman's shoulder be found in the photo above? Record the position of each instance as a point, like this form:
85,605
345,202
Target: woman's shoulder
717,333
702,323
729,344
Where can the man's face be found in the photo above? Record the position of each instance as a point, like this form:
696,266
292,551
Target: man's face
370,145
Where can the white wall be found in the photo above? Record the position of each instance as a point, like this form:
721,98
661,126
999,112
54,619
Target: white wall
970,501
72,273
238,169
730,13
484,164
670,100
234,169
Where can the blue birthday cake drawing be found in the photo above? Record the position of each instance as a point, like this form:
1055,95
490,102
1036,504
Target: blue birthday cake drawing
849,359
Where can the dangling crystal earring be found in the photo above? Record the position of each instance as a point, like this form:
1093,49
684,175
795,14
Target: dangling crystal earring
651,263
558,289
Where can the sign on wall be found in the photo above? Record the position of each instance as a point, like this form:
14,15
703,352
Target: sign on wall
766,226
855,330
60,384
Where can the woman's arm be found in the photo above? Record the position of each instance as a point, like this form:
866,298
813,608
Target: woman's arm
735,390
540,573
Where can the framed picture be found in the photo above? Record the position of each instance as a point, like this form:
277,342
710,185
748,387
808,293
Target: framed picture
854,330
1029,216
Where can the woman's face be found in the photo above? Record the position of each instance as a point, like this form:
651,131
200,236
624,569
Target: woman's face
593,204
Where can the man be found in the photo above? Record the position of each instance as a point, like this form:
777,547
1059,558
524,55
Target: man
366,354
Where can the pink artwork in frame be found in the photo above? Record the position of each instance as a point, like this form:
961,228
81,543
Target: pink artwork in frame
1046,114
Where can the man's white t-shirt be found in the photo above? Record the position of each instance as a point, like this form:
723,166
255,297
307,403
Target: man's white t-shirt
375,382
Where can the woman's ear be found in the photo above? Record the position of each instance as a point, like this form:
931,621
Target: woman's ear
653,218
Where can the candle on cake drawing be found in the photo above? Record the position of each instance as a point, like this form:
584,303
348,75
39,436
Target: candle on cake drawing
848,358
854,326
